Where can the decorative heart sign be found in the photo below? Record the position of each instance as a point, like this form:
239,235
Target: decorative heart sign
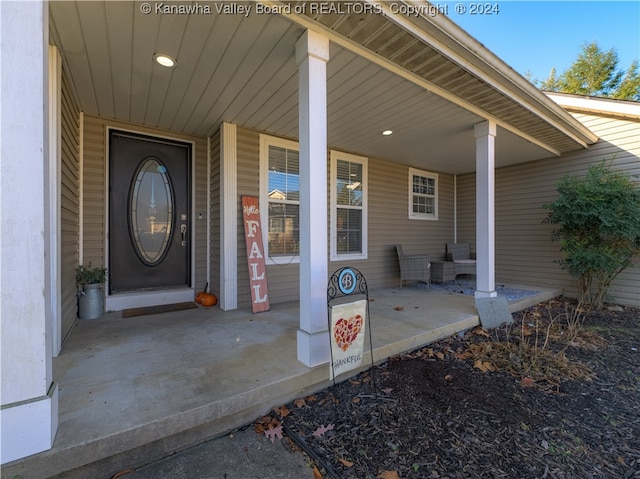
346,331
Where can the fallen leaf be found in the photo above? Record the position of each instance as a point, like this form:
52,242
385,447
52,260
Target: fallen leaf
316,473
322,430
346,463
281,411
483,366
273,433
399,308
388,475
387,390
356,400
264,423
300,403
527,382
440,355
448,377
481,332
464,355
621,460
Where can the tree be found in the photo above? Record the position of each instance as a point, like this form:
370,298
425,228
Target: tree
598,218
595,73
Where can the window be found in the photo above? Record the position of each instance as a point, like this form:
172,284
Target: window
423,195
280,192
348,206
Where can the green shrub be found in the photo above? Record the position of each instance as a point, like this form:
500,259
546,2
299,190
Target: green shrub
598,218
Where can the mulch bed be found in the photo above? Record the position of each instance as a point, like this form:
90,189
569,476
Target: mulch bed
555,395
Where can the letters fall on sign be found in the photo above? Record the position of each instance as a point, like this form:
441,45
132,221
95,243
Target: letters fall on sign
255,254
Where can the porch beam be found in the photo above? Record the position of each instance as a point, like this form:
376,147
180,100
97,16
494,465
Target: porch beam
312,54
485,134
29,417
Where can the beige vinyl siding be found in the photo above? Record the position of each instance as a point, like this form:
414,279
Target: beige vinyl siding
525,253
214,218
388,224
466,210
69,204
94,195
248,171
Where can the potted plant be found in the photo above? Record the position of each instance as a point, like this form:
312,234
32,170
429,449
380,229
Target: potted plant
90,300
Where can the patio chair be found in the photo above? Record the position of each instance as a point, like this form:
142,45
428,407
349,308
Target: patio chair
414,267
462,259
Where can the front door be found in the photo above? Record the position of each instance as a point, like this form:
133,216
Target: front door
149,213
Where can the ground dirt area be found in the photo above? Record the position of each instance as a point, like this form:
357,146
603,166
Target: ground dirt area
554,395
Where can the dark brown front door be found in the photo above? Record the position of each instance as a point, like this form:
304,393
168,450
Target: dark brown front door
149,213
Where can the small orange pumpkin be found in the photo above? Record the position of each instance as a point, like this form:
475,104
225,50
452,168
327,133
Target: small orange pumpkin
199,297
209,300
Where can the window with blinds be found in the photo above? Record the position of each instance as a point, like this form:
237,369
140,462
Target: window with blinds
348,206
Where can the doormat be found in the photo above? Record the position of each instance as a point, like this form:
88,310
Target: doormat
161,308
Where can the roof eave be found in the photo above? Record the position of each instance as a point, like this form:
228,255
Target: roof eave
588,104
467,52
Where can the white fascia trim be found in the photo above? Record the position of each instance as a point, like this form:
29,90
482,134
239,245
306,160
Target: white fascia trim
499,71
228,216
588,104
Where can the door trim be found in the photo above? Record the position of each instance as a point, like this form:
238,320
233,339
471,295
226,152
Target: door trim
120,301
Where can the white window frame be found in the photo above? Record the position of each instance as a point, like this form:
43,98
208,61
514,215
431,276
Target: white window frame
423,216
334,157
265,142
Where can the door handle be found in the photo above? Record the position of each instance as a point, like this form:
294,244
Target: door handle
183,232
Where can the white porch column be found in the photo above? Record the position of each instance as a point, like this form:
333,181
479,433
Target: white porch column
29,415
312,54
485,133
228,216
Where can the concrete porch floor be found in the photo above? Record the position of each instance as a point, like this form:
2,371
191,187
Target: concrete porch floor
135,390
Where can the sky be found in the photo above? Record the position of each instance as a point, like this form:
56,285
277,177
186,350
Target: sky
535,36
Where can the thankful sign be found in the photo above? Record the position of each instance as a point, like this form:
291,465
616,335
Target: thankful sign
255,254
347,336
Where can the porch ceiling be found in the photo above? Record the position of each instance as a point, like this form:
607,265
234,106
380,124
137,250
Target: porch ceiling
241,69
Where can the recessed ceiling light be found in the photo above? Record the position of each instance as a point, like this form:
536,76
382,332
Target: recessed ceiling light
164,60
387,132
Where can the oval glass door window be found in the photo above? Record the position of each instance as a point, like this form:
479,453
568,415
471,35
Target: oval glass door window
151,211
